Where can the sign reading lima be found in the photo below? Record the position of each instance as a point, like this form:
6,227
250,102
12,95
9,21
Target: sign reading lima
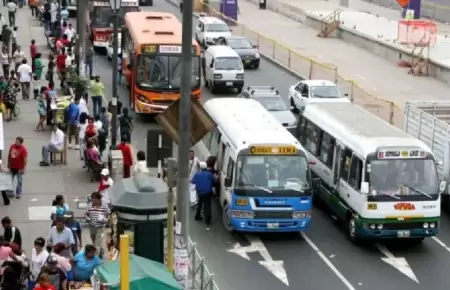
276,150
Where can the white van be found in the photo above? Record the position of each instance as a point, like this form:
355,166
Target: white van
223,69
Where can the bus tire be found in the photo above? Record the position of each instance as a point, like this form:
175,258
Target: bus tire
351,229
226,218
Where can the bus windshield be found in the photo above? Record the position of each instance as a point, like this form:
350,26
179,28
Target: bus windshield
274,174
103,16
163,72
403,177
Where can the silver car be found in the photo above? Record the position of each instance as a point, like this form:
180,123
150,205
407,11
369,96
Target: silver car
270,99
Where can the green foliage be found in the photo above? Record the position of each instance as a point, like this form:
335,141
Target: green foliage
79,83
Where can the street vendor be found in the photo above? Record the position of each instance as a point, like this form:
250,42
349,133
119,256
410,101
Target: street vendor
84,264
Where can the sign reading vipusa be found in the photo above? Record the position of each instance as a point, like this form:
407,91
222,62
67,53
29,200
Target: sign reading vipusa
404,206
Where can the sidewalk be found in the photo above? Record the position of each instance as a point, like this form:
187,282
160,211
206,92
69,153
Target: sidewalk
31,213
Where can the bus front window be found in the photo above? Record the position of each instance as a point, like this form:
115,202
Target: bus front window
403,177
163,72
273,174
104,17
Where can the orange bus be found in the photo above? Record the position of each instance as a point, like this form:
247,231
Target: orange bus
151,50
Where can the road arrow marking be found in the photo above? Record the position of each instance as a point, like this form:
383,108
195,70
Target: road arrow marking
399,263
275,267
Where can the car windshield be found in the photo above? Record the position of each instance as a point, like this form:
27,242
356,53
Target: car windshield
273,172
239,43
217,27
405,177
162,72
228,63
325,92
272,103
104,16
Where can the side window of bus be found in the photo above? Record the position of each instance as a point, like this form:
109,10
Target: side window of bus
230,170
221,156
354,178
207,139
312,138
327,149
215,141
300,131
346,163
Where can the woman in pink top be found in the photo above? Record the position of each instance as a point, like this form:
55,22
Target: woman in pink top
63,262
6,252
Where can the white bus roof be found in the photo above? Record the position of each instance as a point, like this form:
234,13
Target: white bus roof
246,122
359,129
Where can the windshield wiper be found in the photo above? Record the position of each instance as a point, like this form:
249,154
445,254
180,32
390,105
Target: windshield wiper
418,190
257,186
387,194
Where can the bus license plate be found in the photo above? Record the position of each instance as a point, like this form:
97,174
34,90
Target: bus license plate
403,234
273,225
247,61
229,84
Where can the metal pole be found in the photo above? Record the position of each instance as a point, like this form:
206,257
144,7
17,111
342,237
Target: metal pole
115,80
79,38
183,200
170,230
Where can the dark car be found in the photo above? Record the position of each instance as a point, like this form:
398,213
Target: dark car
248,52
270,99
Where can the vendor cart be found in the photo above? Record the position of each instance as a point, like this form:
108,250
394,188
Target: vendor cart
145,274
59,117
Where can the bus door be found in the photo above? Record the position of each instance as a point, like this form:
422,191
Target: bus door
132,71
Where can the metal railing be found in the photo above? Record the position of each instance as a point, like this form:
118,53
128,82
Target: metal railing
312,69
201,278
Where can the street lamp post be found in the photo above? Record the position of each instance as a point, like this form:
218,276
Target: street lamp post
115,6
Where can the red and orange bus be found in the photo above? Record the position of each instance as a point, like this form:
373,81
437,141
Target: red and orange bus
151,49
101,19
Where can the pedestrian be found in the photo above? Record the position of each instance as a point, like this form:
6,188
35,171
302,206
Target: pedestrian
38,66
127,156
25,73
70,32
126,124
2,22
97,92
33,52
59,233
17,162
73,112
42,109
14,39
204,182
61,65
11,232
5,62
51,277
84,264
18,56
104,118
97,215
106,182
75,227
50,69
10,99
59,207
89,60
141,165
34,5
39,256
9,278
6,35
62,262
194,167
54,17
4,193
12,8
56,144
82,132
5,251
47,19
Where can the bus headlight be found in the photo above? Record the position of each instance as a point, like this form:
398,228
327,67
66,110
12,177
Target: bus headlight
143,99
432,225
242,214
217,76
380,226
301,214
425,225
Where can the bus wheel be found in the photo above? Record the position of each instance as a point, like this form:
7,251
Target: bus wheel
226,218
351,229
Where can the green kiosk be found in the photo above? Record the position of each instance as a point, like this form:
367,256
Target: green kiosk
139,210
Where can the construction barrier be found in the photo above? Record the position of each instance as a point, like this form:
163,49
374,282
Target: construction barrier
311,69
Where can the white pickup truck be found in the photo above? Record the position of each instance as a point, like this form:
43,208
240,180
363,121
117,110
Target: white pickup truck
429,121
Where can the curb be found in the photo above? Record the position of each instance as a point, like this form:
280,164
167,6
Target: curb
264,56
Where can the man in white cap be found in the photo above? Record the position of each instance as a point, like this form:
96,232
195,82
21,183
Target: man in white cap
204,182
105,183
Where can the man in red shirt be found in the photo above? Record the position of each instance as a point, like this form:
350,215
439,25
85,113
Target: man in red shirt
33,53
127,157
17,162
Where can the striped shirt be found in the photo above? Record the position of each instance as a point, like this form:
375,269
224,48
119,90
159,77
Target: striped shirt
97,217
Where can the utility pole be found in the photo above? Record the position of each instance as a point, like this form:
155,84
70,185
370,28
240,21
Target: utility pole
79,39
171,183
184,126
115,73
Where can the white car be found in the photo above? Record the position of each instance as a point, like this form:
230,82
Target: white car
315,91
110,49
209,29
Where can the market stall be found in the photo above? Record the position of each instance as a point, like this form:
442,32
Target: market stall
59,110
145,274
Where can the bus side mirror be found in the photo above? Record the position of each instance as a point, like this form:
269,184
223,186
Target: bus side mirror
364,187
442,186
211,65
227,182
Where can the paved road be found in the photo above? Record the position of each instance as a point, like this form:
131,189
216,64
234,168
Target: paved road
325,259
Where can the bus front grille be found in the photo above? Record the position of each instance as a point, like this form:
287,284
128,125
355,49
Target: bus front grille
263,214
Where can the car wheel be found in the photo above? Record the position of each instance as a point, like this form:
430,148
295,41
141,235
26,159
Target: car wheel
212,87
109,57
256,66
239,90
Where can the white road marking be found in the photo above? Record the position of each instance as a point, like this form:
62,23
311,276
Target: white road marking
399,263
328,263
441,243
276,268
